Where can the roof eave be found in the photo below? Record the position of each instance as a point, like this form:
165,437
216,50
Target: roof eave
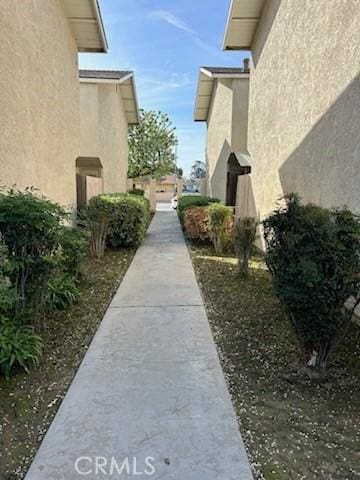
105,46
244,45
97,43
137,112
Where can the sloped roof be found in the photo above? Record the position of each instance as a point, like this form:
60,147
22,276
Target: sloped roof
205,88
87,25
126,80
242,22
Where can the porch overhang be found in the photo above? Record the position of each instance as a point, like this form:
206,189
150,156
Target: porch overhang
239,163
242,22
87,25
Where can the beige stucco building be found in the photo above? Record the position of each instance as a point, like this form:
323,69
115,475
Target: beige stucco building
58,124
108,105
222,102
304,103
39,91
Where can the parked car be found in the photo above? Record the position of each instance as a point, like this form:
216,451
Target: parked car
174,202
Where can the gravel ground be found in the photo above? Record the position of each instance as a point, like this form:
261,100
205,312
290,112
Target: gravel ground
28,403
296,424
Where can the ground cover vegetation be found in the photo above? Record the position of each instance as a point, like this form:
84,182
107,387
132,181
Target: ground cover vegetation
42,261
289,348
53,295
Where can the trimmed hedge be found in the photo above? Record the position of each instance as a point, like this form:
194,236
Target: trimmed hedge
193,201
116,219
129,219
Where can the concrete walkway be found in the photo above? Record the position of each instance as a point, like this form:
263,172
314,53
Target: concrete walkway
150,385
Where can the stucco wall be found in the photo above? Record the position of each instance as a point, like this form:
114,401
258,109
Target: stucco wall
226,131
104,132
304,122
39,98
218,138
240,115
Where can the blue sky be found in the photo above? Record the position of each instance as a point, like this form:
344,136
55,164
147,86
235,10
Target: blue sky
165,42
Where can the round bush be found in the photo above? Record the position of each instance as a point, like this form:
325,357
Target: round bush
196,224
188,201
128,218
314,256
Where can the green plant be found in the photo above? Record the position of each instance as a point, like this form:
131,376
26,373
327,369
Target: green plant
97,218
196,224
188,201
137,191
62,292
7,292
129,219
314,256
73,249
244,238
30,227
219,218
151,145
119,219
19,346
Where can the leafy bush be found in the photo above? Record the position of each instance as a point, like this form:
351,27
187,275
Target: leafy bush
129,219
7,292
62,292
196,224
314,257
244,238
120,219
97,218
188,201
73,246
219,218
137,191
19,346
30,227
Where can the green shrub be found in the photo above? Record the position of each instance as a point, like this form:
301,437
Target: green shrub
30,227
62,292
97,218
129,219
73,249
244,238
314,256
187,201
120,219
137,191
19,347
7,292
196,224
219,218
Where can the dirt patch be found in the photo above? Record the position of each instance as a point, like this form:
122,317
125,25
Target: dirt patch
296,424
28,403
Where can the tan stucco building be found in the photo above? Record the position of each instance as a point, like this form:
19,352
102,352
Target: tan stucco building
222,101
304,103
108,105
39,91
58,123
